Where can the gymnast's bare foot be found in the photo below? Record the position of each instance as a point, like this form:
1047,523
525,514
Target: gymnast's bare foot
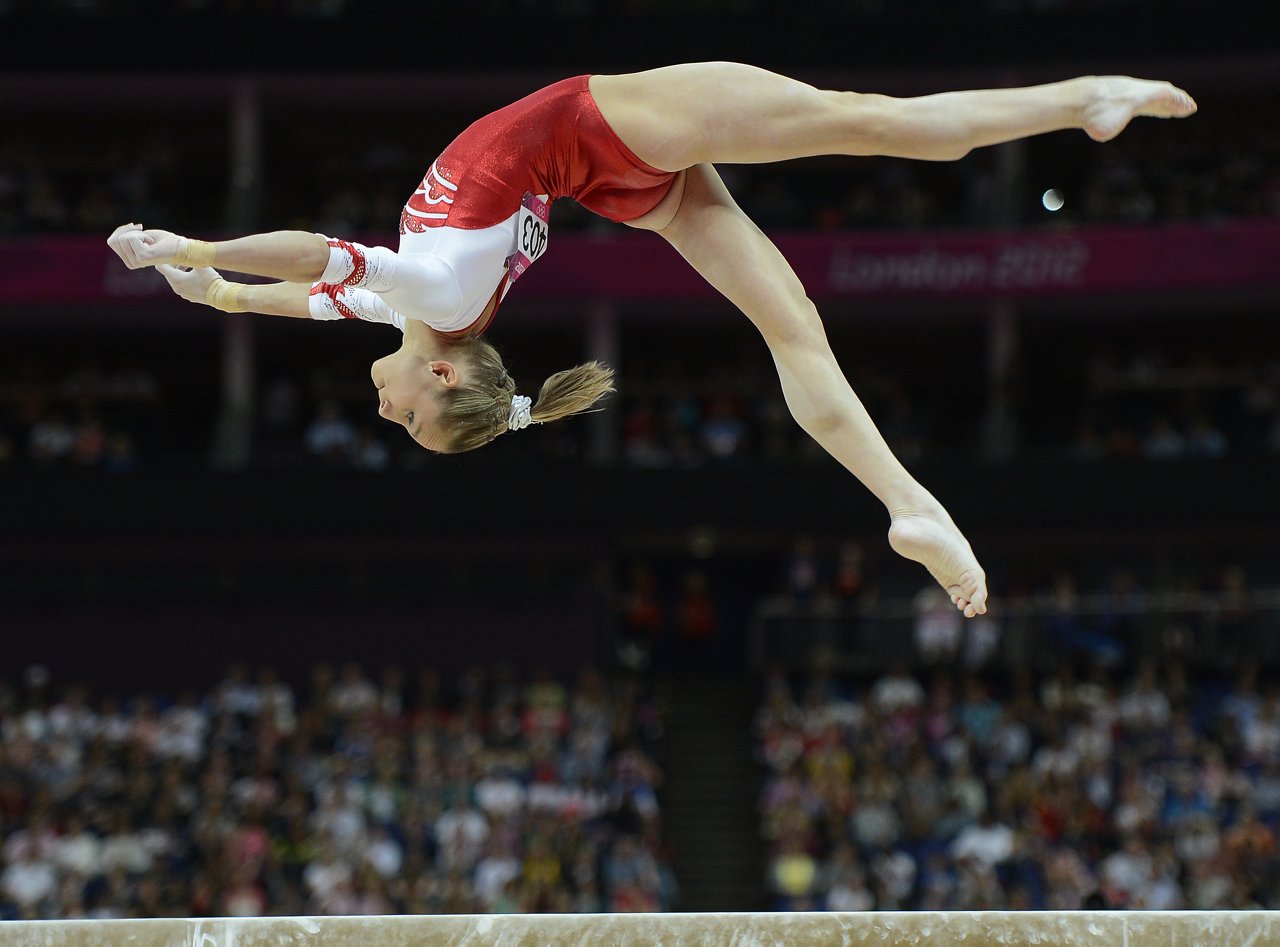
929,537
1117,99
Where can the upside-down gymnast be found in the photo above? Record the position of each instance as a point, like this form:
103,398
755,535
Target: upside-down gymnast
638,149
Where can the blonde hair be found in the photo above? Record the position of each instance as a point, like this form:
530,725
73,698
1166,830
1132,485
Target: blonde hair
478,410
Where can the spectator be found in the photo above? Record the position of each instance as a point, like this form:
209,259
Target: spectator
644,620
938,627
849,582
988,841
897,690
697,622
331,436
724,432
28,880
793,875
1163,442
1204,439
847,882
51,439
803,570
981,639
354,694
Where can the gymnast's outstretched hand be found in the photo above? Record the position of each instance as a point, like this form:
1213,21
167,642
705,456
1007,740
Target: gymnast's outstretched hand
139,248
193,284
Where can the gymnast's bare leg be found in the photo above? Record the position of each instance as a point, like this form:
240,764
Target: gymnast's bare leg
678,116
700,219
685,117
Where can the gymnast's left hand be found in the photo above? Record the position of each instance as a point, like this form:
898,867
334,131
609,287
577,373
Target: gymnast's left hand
192,285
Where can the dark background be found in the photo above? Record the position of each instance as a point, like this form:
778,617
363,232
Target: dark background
265,542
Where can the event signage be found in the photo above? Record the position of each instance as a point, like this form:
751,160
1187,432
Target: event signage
852,265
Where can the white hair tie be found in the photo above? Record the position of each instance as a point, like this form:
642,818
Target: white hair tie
520,413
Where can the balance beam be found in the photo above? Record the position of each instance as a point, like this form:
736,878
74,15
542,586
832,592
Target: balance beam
880,929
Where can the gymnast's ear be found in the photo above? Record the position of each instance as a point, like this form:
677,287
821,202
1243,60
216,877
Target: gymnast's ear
445,371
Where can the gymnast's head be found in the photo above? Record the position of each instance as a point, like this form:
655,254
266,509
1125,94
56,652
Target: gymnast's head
455,395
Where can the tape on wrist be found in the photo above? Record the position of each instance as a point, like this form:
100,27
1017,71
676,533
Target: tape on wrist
193,253
225,296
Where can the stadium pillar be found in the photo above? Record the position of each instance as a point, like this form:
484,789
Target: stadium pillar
1000,421
233,437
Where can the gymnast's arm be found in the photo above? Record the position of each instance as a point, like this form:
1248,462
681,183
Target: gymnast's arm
205,285
321,301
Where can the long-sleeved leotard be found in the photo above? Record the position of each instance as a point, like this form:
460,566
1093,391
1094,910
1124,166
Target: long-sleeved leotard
460,231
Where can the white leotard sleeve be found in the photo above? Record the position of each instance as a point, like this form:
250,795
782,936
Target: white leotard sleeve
351,302
425,288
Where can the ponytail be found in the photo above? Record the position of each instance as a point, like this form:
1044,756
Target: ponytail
480,409
572,391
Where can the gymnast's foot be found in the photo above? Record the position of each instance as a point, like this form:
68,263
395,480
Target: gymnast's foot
1117,99
929,537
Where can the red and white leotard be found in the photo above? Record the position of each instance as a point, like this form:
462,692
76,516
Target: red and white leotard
460,227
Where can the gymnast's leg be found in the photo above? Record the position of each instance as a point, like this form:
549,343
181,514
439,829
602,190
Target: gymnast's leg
718,239
678,116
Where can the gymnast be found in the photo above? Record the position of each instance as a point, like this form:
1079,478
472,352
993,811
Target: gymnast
639,149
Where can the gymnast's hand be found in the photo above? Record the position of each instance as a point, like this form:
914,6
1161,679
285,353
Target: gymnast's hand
192,285
139,248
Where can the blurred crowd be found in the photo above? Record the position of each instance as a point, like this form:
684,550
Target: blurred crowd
50,183
1151,401
1227,167
1157,403
89,417
1086,788
839,598
1154,401
491,793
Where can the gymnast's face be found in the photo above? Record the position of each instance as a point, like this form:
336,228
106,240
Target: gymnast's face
408,386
